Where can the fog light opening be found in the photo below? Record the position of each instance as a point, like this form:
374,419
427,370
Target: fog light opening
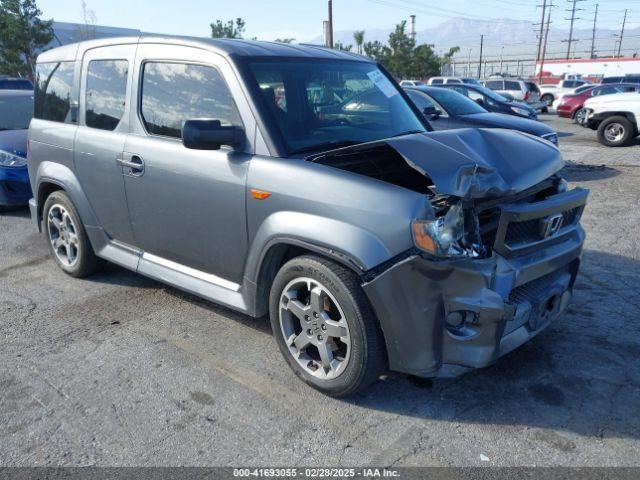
459,323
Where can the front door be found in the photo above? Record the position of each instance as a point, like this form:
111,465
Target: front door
186,206
100,139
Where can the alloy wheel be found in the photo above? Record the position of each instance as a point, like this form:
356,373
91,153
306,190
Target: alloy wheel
63,235
314,328
580,116
614,132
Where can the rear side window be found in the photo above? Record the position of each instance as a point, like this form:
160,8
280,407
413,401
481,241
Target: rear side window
175,92
437,81
494,84
511,85
54,82
106,93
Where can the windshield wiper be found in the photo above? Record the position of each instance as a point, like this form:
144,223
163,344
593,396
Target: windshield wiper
408,132
326,146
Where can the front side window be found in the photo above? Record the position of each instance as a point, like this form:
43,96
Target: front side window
455,103
106,93
54,82
421,100
316,103
175,92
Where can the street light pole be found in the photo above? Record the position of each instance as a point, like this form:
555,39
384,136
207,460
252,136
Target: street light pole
330,25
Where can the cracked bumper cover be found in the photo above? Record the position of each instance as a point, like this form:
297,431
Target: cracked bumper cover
510,299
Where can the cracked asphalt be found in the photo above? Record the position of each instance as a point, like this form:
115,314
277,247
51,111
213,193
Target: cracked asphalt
121,370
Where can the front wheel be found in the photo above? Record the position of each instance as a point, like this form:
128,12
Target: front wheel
615,131
325,327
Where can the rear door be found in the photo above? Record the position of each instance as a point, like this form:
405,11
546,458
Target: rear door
102,131
187,207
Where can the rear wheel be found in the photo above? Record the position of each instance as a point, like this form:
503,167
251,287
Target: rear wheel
67,237
324,326
615,131
547,98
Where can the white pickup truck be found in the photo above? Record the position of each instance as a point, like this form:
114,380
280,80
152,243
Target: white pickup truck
615,117
549,93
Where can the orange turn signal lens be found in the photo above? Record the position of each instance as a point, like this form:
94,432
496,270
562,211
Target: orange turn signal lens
260,194
421,237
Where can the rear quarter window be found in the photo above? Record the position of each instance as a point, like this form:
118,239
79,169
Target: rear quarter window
54,84
511,86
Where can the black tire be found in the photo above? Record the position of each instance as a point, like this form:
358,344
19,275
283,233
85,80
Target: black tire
86,262
619,122
547,98
580,116
367,359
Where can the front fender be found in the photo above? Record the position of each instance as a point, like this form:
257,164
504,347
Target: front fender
63,177
345,242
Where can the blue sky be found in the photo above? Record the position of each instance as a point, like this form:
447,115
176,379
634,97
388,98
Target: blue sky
302,19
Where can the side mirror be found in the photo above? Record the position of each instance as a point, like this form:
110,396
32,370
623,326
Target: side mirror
209,134
431,112
480,101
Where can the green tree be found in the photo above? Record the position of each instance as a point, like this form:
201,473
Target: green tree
373,49
341,46
23,34
358,36
229,29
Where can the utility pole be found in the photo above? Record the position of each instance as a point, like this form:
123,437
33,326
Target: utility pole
544,45
480,61
330,26
412,34
593,35
573,18
544,8
624,21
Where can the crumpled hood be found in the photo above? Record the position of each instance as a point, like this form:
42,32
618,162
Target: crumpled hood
475,163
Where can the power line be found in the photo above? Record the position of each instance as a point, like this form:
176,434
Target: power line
593,36
622,32
573,18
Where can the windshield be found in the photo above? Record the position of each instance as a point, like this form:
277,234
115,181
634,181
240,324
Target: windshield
15,111
455,103
325,104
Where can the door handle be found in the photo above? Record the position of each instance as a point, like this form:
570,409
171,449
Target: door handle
134,163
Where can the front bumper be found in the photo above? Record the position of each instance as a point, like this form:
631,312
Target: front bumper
14,186
505,300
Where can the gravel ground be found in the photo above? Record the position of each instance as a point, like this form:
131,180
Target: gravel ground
121,370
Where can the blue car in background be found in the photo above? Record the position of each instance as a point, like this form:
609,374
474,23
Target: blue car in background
16,110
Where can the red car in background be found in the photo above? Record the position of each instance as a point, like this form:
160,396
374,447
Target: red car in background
571,104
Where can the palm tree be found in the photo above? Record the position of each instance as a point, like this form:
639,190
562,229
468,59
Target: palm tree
358,36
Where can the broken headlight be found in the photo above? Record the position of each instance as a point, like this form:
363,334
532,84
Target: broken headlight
444,236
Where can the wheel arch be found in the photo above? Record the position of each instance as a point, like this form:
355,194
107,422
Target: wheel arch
52,176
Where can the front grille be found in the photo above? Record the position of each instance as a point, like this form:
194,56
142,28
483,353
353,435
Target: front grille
530,231
15,189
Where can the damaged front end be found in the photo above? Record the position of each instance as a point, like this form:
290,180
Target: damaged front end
495,263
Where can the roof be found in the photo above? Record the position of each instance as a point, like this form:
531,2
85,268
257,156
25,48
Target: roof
226,47
16,93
